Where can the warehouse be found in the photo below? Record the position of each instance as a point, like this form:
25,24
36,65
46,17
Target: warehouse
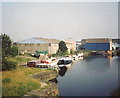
103,44
80,45
116,44
43,44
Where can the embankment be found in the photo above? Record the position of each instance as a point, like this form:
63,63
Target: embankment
48,88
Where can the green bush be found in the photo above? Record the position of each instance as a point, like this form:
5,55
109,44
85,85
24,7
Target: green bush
6,80
60,53
53,55
8,65
14,51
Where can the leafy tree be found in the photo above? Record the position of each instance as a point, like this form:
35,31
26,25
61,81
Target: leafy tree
62,49
8,65
7,51
14,51
6,45
71,51
62,46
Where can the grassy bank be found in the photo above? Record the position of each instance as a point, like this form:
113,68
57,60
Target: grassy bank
17,82
85,51
20,59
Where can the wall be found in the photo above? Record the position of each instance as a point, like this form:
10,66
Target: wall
69,46
73,44
110,41
32,47
97,46
53,48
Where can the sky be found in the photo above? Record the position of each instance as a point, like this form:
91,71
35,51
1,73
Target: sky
60,20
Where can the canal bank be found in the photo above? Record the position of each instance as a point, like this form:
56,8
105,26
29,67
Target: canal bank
25,81
48,85
92,76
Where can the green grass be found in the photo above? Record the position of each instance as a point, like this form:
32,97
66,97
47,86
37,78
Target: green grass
19,59
19,89
51,69
6,80
17,82
84,51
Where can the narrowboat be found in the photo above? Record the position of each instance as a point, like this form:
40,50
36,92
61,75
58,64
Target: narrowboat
64,62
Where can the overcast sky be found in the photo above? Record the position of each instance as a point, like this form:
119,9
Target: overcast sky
60,20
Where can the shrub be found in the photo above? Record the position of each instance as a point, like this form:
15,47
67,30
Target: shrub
54,55
8,65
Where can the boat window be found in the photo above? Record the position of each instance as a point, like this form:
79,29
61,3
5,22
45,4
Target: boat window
60,62
67,61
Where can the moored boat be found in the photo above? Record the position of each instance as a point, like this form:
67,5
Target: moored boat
64,62
47,63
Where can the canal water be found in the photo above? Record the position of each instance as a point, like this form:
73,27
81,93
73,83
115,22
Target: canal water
92,76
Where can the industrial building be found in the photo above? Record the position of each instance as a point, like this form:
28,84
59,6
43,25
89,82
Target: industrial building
80,44
116,44
95,44
43,44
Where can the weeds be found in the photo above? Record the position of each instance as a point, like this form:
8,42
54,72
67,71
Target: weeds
6,80
20,88
16,83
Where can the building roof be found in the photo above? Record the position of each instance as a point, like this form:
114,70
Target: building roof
53,41
83,41
48,40
32,40
41,40
98,40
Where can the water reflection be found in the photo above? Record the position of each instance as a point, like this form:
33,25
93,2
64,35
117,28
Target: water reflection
92,57
93,76
62,71
98,65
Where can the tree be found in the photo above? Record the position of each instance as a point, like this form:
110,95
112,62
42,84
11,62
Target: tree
6,52
14,51
8,65
6,45
62,46
62,49
71,51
